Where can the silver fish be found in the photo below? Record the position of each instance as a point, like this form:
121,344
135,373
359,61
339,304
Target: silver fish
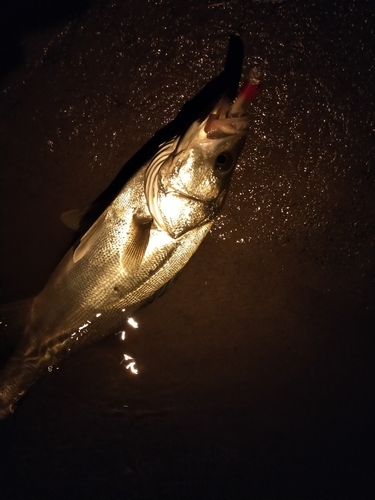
134,249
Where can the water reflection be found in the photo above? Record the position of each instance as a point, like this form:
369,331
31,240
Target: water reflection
130,366
132,322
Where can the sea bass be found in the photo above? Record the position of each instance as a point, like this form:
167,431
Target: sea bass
135,248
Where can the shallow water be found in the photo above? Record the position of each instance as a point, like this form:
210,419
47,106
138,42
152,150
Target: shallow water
255,369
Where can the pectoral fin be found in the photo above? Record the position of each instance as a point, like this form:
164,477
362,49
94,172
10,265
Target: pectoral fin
135,248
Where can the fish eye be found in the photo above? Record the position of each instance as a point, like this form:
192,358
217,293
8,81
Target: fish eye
224,162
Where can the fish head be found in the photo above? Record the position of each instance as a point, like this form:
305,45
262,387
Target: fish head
205,157
187,184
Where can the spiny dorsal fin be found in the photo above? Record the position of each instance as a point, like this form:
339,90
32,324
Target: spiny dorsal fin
89,238
81,219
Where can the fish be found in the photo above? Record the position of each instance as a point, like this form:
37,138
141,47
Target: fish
135,248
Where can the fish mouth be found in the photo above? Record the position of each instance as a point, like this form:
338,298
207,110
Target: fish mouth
223,122
228,121
233,119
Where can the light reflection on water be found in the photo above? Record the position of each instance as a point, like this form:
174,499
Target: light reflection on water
131,366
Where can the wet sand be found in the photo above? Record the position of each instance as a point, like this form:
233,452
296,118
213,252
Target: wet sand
256,371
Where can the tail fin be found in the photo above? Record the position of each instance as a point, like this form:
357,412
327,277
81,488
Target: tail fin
13,316
13,319
15,379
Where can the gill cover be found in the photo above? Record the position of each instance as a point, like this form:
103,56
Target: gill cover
187,180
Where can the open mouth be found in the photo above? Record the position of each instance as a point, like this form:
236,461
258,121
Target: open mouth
219,127
233,119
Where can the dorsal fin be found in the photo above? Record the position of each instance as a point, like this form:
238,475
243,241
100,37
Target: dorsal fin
81,219
89,238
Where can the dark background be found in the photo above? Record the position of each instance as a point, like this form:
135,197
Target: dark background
256,369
